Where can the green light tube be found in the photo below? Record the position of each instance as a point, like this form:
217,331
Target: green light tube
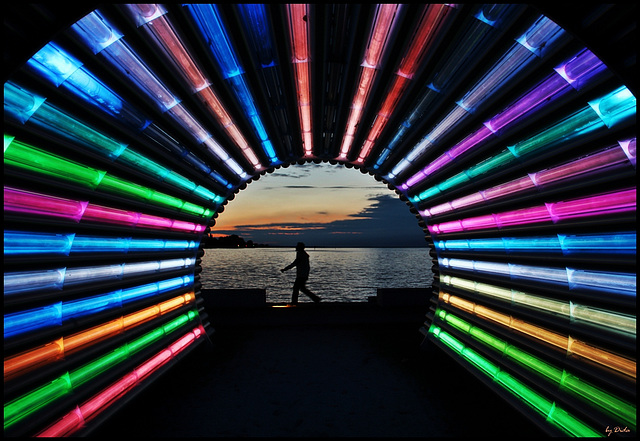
20,408
31,158
575,313
592,395
553,414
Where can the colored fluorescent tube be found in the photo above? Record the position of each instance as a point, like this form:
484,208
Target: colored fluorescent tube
570,278
38,161
573,345
561,309
26,202
33,401
211,26
433,18
298,26
56,314
553,414
82,414
560,378
537,40
607,204
384,22
20,282
575,244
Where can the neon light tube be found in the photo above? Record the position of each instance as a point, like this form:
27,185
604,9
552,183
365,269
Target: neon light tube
210,25
36,160
92,27
59,68
47,394
570,278
430,24
20,201
152,18
77,418
584,67
384,22
479,33
573,346
33,358
298,25
610,161
592,395
56,314
623,201
20,282
566,245
541,37
57,122
555,415
567,310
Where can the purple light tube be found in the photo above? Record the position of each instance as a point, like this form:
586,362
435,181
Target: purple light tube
606,204
611,160
22,201
575,72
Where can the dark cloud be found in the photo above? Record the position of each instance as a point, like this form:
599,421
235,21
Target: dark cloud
386,222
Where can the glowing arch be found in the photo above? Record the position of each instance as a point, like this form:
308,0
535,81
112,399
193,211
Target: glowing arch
511,140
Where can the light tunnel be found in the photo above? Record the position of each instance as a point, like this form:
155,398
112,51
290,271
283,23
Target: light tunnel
511,138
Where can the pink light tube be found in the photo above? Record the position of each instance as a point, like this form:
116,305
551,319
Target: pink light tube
298,19
27,202
77,418
606,204
383,24
613,159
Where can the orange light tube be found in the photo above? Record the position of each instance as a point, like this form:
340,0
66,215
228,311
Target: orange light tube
430,23
26,361
564,342
382,26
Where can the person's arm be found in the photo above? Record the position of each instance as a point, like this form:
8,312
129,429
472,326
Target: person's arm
291,265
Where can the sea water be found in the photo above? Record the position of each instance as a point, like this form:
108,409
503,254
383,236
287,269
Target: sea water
337,274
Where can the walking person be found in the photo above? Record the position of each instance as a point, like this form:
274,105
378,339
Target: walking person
302,274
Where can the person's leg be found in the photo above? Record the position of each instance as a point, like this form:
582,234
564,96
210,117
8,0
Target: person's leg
304,289
296,289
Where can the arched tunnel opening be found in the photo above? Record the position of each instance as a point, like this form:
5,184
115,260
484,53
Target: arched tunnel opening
508,130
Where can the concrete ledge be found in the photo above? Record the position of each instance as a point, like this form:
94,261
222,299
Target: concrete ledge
234,298
403,296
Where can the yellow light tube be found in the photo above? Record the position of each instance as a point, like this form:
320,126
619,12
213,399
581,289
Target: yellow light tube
564,342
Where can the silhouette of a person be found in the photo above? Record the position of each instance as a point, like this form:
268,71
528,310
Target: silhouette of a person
302,274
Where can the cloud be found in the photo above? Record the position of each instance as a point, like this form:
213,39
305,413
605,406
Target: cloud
385,222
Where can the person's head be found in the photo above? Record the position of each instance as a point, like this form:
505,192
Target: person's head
300,246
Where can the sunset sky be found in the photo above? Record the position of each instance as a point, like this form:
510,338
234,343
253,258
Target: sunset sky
321,205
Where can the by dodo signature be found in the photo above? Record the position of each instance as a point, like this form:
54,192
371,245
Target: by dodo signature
616,429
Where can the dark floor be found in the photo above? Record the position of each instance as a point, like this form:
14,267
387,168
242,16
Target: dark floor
318,381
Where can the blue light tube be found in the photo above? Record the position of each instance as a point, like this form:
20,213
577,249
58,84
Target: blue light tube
131,66
20,282
259,31
56,314
600,281
58,67
601,243
208,21
93,28
26,242
541,37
